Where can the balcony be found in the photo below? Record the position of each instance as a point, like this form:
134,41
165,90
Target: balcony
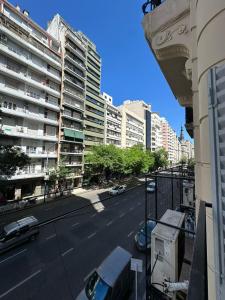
73,116
167,31
41,154
71,103
17,55
23,132
73,93
11,29
75,50
23,113
28,173
75,61
31,97
71,80
72,151
75,72
17,75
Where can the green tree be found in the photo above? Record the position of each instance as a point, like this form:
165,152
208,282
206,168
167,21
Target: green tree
160,158
183,160
59,175
11,159
191,164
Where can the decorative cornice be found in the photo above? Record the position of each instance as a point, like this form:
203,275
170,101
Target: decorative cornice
168,35
172,52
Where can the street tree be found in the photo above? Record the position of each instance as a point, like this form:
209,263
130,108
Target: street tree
160,159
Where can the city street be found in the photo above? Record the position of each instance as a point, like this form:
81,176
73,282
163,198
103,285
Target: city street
56,264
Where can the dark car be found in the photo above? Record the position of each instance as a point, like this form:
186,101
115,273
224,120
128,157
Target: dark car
140,240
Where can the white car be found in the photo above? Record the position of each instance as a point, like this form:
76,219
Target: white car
151,187
116,190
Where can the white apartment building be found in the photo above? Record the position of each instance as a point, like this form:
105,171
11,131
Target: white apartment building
143,111
30,79
133,128
156,132
113,119
71,125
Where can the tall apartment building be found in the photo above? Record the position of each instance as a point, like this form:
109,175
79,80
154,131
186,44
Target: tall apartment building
94,103
185,37
143,111
133,128
71,124
113,119
156,132
30,79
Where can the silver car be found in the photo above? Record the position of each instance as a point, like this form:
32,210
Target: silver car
18,232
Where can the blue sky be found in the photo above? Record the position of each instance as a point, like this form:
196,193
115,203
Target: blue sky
129,70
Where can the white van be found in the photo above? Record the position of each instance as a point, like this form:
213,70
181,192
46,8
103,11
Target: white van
18,232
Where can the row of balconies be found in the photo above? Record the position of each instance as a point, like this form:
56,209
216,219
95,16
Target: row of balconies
23,58
75,50
73,59
49,87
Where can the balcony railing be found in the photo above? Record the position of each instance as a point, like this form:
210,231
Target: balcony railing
151,4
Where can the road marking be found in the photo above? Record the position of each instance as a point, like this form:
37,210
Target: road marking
19,284
130,234
75,224
109,223
91,235
92,216
131,208
141,223
50,237
14,255
122,215
67,251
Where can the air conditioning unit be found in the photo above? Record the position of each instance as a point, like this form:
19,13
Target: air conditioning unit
167,250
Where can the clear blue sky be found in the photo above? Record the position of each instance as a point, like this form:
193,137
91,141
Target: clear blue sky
129,70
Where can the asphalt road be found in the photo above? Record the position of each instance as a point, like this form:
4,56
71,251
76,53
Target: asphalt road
56,264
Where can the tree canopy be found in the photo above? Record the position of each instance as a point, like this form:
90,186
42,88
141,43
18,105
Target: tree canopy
109,160
11,159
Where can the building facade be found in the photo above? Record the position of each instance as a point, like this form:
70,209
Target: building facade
30,80
132,129
185,37
71,123
95,107
156,132
113,119
143,111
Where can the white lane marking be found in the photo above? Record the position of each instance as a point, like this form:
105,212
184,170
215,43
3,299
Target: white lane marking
131,208
130,234
12,256
92,216
109,223
20,283
50,237
122,215
67,251
141,223
91,235
75,224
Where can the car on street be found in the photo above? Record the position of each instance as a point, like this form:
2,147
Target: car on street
151,187
112,280
18,232
116,190
140,239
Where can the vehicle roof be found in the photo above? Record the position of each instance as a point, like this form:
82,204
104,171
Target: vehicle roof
20,223
113,265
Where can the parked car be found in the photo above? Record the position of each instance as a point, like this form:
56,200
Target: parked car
116,190
140,240
18,232
112,280
151,187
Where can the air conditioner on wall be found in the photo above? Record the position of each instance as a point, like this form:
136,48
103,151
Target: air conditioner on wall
167,250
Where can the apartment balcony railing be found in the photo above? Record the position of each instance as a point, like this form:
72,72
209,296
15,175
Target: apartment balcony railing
74,82
11,28
18,75
41,153
73,163
73,104
73,60
23,58
73,93
75,50
23,113
75,72
72,116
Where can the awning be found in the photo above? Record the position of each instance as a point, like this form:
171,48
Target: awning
73,134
